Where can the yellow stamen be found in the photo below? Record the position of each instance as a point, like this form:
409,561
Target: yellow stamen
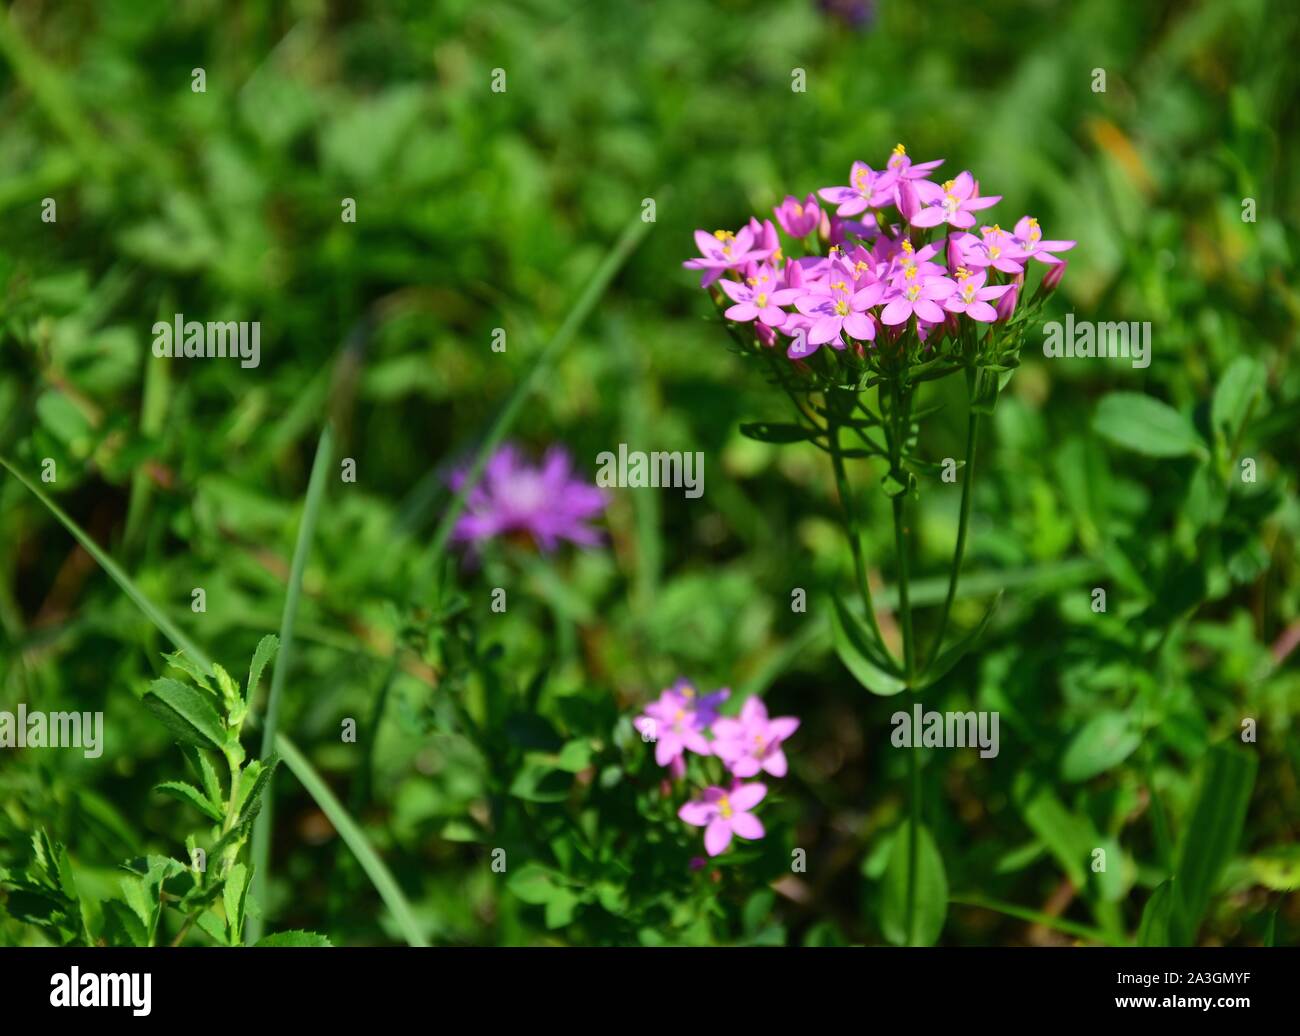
899,149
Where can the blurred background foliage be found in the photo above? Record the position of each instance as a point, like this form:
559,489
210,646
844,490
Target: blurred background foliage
478,210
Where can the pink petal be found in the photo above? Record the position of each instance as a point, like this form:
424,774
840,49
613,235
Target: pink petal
746,825
697,814
932,217
927,309
717,836
896,312
747,796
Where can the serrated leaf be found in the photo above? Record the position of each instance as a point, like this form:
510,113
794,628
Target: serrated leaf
180,660
250,800
186,713
214,926
186,792
262,657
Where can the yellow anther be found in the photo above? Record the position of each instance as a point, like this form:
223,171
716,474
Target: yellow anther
907,246
899,149
948,185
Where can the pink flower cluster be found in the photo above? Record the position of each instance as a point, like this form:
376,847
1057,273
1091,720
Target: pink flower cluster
881,270
747,745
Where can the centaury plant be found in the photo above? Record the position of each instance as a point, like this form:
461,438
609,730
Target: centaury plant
852,312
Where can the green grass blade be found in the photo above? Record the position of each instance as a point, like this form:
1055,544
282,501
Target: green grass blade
618,255
261,846
380,876
155,615
1211,837
1060,924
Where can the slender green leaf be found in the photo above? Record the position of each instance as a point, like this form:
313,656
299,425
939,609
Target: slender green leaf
765,431
953,653
261,849
155,615
1211,837
852,646
380,876
637,228
1159,916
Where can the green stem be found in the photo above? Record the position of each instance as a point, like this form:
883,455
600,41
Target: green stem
900,419
851,528
913,836
959,551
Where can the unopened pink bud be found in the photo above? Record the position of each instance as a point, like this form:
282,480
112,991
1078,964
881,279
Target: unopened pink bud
1053,276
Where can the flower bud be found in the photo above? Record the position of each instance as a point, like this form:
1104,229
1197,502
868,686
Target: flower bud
1053,276
1006,305
909,202
798,219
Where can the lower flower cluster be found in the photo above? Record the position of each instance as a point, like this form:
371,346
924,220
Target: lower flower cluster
747,744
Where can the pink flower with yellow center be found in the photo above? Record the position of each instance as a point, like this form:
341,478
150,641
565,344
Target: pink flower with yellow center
724,812
951,203
973,298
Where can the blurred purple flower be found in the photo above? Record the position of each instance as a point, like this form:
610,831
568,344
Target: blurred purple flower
854,14
545,502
